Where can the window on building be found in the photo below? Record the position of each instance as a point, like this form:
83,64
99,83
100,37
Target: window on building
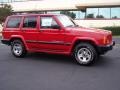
74,14
104,13
69,13
30,22
79,14
14,22
92,13
53,12
115,12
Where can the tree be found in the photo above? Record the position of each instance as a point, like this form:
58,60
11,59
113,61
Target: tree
114,17
5,10
71,14
99,16
90,16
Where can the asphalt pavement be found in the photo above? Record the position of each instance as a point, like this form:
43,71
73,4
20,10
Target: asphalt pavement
58,72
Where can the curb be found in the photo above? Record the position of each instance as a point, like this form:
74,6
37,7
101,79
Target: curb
116,36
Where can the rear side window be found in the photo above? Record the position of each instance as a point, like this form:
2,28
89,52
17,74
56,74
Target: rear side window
14,22
30,22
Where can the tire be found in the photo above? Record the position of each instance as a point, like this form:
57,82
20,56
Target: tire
18,49
85,54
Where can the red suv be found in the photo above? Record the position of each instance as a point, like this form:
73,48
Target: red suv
56,34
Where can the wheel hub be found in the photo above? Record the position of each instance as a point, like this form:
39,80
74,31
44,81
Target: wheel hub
84,55
17,49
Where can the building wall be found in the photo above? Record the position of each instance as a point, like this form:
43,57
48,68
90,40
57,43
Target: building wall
98,23
41,5
0,27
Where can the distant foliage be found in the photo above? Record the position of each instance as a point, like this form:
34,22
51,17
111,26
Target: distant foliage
90,16
71,14
5,10
114,17
99,16
115,29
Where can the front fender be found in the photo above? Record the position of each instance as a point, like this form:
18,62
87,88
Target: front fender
83,39
86,39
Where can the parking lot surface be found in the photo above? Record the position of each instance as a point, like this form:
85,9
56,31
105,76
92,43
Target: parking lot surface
58,72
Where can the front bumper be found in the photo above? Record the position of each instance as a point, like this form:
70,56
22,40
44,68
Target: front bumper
7,42
104,49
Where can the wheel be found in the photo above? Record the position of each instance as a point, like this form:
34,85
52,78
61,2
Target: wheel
18,49
85,54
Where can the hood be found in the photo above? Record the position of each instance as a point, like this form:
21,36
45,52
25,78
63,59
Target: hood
88,30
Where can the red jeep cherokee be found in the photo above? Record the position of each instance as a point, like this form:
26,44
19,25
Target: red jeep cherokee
56,34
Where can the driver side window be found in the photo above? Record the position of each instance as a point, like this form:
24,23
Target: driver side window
47,22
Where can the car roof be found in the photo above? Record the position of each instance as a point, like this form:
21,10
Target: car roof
36,15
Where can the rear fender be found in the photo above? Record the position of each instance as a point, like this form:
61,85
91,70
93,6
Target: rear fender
21,38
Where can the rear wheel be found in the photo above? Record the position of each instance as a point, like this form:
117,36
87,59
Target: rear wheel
85,53
18,49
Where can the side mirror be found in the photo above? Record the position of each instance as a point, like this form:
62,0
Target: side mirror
56,27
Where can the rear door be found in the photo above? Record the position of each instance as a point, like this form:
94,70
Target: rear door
30,31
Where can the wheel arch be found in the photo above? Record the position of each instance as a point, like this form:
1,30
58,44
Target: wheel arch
77,41
16,37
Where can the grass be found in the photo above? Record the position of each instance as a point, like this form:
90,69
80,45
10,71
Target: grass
115,30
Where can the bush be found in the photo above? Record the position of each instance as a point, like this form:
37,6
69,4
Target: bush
115,30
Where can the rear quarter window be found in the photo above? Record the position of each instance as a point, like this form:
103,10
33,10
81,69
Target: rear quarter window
14,22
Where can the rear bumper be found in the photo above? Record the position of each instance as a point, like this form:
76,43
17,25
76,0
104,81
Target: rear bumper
7,42
104,49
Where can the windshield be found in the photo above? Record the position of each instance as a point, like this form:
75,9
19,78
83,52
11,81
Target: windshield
66,21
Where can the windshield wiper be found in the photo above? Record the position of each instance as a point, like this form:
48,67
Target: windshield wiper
76,25
70,26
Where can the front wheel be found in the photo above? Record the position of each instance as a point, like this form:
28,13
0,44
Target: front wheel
85,53
18,48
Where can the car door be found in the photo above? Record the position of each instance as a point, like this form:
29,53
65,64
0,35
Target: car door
30,31
51,35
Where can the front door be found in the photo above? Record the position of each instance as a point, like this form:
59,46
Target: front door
51,36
